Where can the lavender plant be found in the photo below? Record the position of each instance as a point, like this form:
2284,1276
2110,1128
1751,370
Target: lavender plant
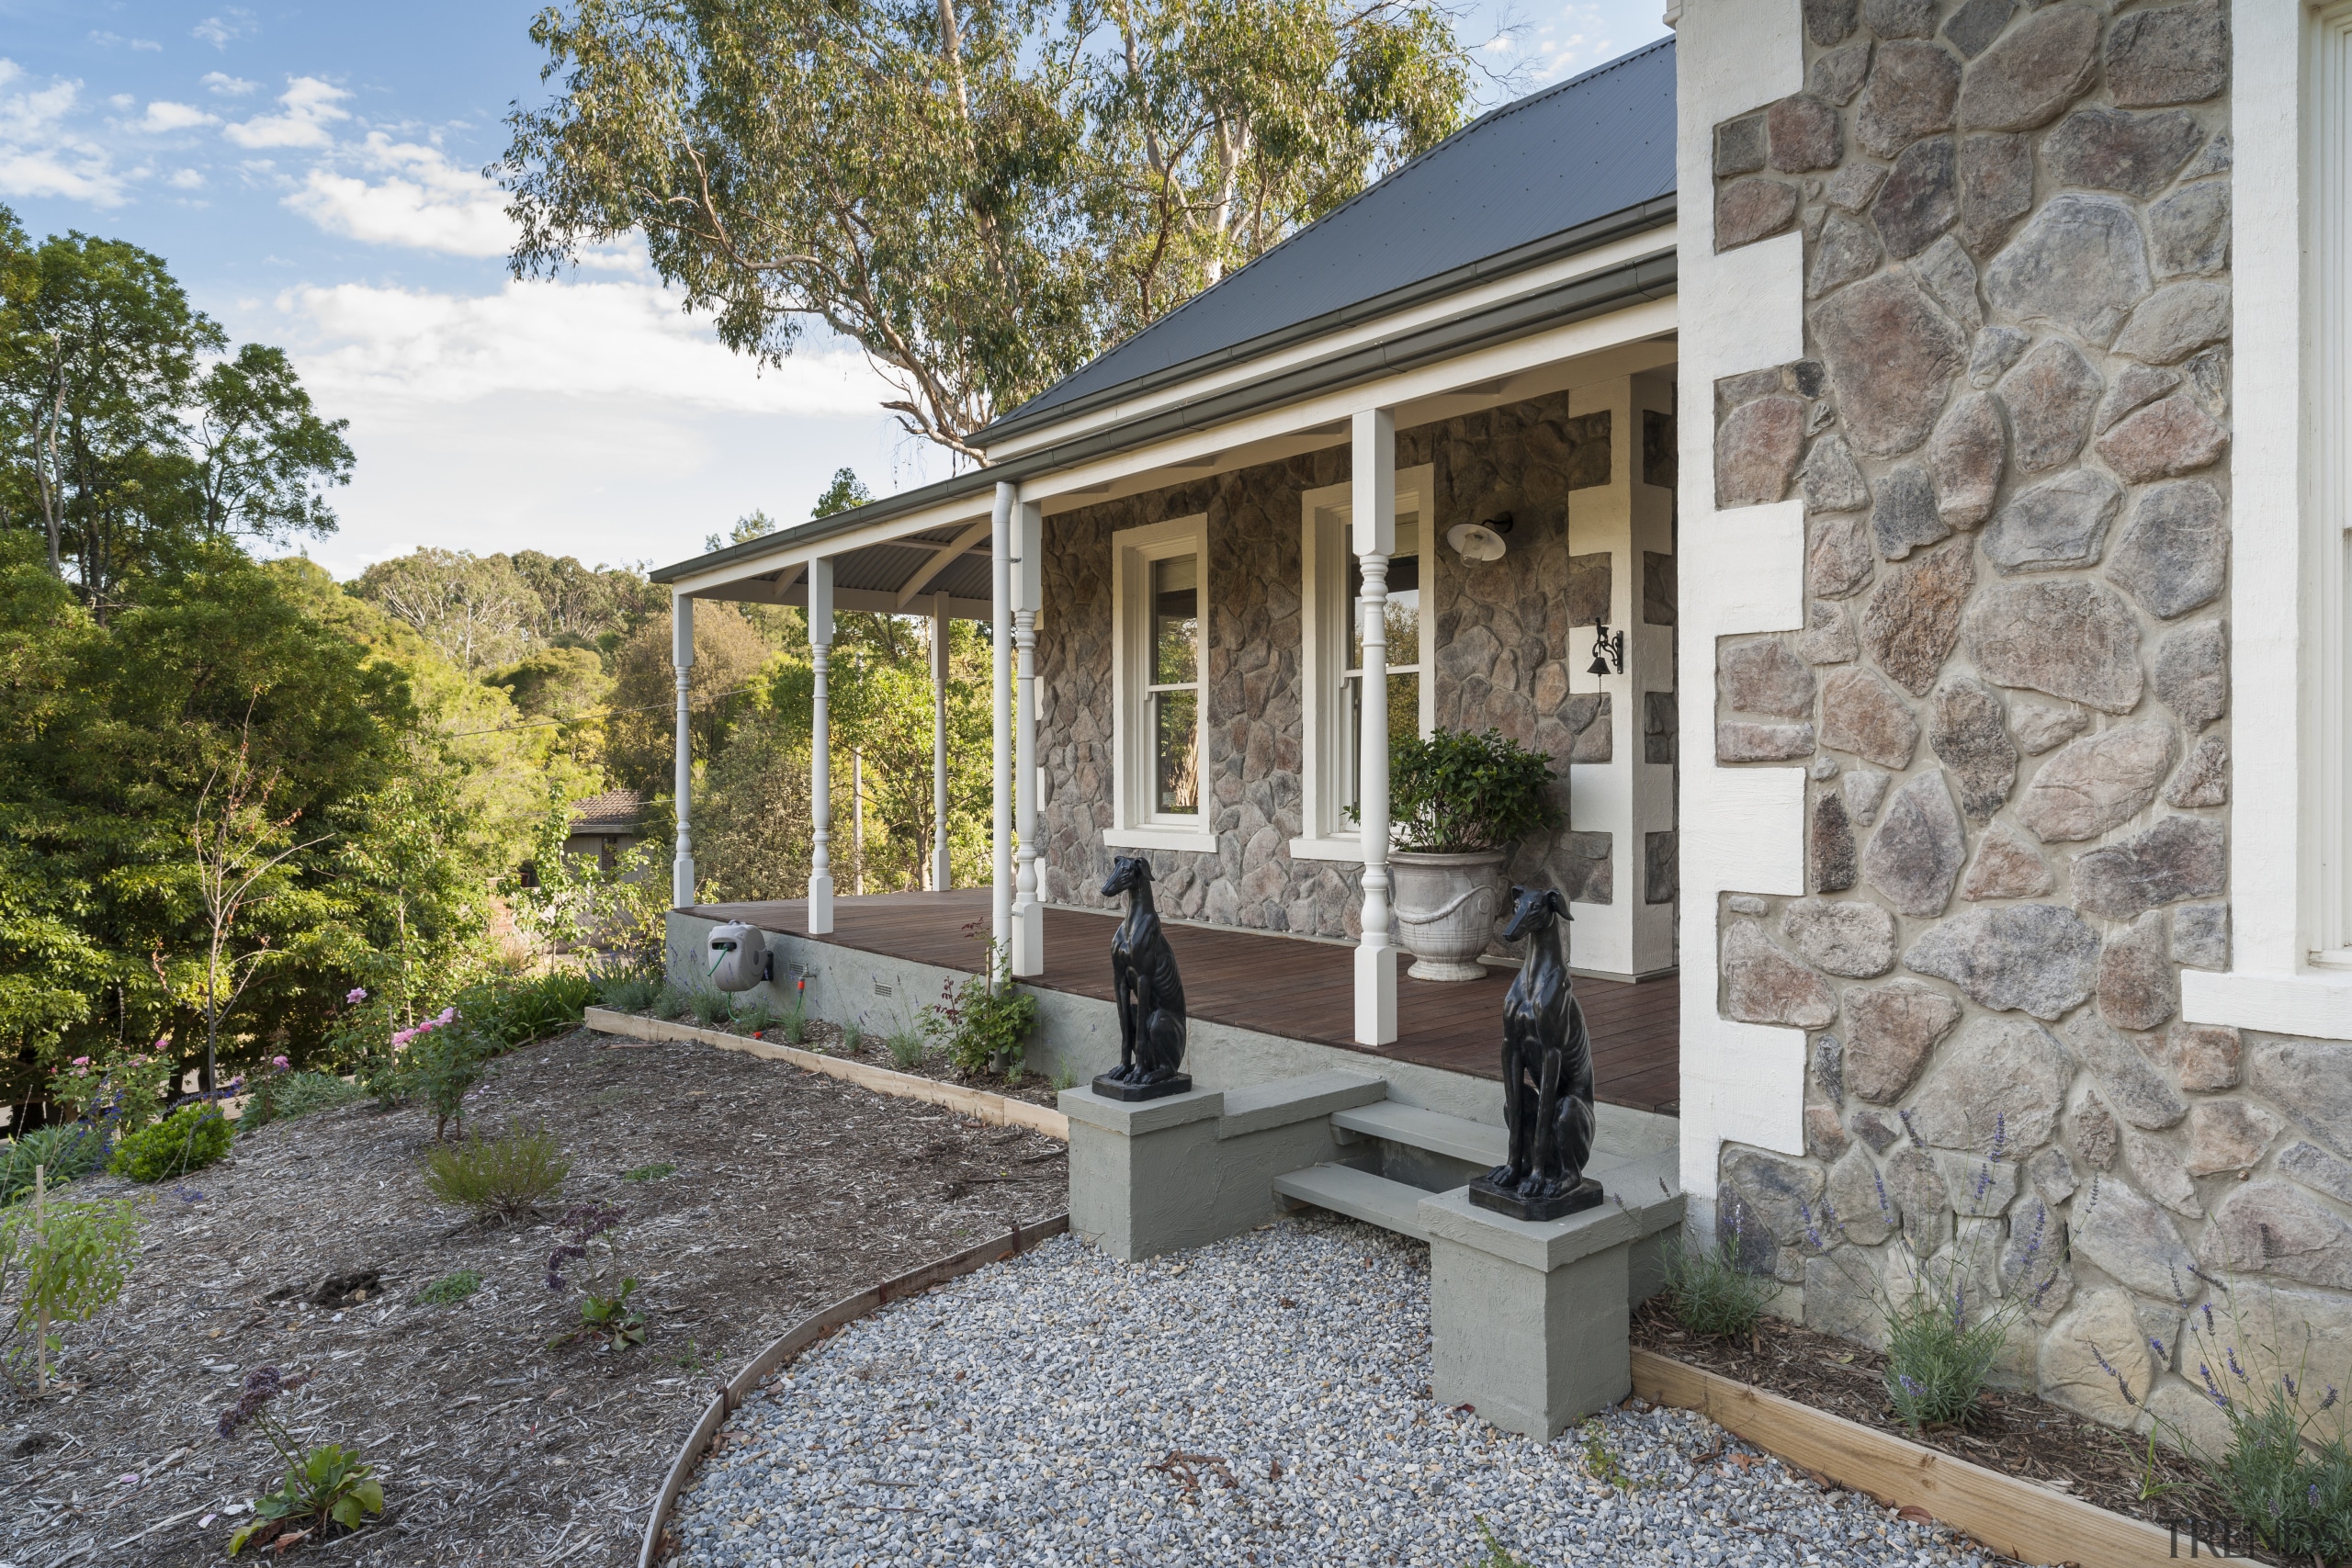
604,1285
2286,1472
1710,1292
327,1484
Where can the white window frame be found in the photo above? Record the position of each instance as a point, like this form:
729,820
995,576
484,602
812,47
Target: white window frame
2291,552
1324,612
1135,825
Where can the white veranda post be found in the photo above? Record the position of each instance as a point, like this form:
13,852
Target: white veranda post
821,748
941,878
681,658
1028,910
1008,500
1373,509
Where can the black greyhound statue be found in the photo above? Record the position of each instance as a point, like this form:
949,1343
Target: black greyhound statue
1547,1074
1145,988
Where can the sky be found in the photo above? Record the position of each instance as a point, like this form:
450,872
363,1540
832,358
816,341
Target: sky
312,174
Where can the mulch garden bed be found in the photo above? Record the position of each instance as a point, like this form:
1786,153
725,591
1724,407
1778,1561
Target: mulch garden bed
875,1051
2012,1432
790,1190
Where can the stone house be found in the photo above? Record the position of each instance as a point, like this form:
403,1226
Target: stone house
2001,885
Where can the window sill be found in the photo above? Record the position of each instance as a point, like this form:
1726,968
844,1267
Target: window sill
2317,1005
1156,836
1348,851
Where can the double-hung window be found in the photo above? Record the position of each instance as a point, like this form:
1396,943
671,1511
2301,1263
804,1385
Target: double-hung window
1160,658
1333,667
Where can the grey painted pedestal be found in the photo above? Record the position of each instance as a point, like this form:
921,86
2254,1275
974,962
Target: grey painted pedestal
1528,1321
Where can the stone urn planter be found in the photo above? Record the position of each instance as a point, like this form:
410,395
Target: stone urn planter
1445,907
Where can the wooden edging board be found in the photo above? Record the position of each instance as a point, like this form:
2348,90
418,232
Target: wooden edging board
2017,1519
1002,1109
808,1332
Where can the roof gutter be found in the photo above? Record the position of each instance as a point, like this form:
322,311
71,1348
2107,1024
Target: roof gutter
1649,277
1653,214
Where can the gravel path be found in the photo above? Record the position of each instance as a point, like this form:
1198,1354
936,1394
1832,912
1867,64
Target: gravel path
1261,1401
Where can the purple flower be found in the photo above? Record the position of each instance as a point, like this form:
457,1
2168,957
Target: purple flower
262,1385
2000,1133
2231,1352
1910,1384
355,995
2329,1403
2158,1347
1984,1179
280,1063
1885,1209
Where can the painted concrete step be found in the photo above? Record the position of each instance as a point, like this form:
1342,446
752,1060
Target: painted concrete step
1457,1137
1360,1195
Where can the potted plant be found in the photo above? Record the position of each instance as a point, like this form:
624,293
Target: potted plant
1459,801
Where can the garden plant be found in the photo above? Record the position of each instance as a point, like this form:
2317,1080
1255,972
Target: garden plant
983,1026
66,1153
323,1486
592,1252
188,1139
1710,1292
60,1262
499,1179
1460,792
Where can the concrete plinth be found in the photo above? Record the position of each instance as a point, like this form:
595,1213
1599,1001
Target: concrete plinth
1158,1175
1527,1323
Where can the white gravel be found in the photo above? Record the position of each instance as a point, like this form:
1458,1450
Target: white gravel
1015,1416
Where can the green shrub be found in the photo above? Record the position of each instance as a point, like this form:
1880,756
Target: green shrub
188,1139
2286,1473
852,1039
502,1178
324,1484
653,1172
299,1094
673,1001
981,1029
628,991
451,1289
1710,1292
69,1152
712,1009
1458,791
442,1065
508,1013
908,1048
1938,1349
61,1262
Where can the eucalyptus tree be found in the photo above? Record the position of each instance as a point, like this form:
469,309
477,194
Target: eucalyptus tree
980,194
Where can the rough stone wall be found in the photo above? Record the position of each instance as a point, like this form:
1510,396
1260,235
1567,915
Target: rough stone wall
2011,438
1499,634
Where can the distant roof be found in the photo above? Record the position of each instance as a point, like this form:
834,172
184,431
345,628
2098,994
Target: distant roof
1544,164
614,811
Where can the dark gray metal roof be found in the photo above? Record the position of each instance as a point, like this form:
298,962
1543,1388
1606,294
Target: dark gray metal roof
1548,163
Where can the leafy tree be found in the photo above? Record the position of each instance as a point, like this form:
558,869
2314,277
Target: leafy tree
476,609
642,729
583,607
980,197
118,443
846,492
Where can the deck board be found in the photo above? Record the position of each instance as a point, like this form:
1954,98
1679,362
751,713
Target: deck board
1282,985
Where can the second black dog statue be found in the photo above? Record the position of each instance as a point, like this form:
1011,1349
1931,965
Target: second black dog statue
1146,991
1547,1074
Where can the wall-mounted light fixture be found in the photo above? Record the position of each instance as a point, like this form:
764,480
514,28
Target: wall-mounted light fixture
1608,650
1480,541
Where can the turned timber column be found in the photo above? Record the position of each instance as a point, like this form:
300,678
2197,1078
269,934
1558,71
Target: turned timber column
1028,910
1008,500
821,748
1372,508
941,876
682,660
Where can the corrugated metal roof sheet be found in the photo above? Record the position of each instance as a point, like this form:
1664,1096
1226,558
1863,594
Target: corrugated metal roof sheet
1591,146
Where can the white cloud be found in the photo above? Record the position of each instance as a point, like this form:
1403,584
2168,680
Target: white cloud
234,22
162,116
424,200
186,179
420,350
310,108
41,155
228,86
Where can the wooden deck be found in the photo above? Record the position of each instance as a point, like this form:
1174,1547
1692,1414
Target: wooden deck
1274,983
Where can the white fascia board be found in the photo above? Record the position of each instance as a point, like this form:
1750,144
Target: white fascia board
960,511
1637,327
1479,297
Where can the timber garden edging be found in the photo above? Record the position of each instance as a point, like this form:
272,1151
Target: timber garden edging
2017,1519
997,1108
